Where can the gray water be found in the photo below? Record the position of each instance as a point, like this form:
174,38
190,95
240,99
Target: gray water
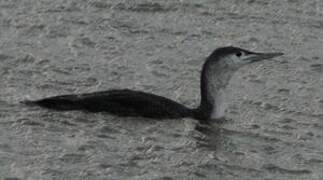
275,116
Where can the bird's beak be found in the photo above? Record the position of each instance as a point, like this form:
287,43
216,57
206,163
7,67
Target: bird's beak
253,57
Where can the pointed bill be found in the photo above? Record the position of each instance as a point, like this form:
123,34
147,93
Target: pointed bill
262,56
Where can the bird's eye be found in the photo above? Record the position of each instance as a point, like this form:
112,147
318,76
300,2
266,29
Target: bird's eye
238,54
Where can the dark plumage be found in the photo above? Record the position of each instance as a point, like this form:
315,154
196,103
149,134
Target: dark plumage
119,102
216,72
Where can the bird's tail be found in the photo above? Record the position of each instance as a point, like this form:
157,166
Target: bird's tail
61,103
28,103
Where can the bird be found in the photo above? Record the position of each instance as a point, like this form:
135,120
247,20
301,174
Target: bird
217,70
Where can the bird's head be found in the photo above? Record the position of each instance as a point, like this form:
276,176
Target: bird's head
233,57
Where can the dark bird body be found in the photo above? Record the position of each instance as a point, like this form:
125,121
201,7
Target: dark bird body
216,73
119,102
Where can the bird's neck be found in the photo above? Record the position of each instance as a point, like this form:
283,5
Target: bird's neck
214,80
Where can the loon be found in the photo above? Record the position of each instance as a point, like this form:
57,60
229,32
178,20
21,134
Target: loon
217,70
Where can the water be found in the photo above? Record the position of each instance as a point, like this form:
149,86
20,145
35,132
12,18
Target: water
275,127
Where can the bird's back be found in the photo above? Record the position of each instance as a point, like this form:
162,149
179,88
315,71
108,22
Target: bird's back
119,102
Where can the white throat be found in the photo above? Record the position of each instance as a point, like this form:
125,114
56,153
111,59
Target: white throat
219,105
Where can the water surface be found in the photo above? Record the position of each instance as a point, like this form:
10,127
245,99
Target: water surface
275,127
